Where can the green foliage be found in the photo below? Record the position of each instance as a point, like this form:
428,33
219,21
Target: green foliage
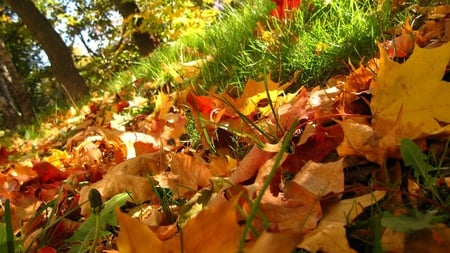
245,42
327,36
408,224
24,51
8,243
413,157
82,239
3,241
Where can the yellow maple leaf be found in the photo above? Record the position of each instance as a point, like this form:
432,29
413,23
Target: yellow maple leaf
413,92
135,236
214,229
255,91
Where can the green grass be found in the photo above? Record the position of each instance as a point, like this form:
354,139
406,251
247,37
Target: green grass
317,41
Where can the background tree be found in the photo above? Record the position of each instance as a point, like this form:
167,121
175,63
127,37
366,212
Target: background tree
130,12
59,54
99,38
12,91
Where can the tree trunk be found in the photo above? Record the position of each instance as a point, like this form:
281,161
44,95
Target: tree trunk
12,90
143,40
58,53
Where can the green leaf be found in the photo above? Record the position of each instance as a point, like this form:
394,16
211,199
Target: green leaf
3,246
413,156
408,224
3,240
85,234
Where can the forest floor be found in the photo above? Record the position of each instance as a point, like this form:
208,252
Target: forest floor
358,165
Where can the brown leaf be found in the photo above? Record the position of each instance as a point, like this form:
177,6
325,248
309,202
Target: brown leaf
321,178
250,164
140,188
360,139
191,173
436,240
330,236
276,242
295,210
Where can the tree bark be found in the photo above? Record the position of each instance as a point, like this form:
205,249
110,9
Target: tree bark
12,90
143,40
58,53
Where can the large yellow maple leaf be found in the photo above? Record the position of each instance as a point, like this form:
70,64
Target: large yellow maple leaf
214,229
414,93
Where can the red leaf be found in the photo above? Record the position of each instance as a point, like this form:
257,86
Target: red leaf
282,6
316,148
47,249
144,148
203,104
4,155
121,105
48,173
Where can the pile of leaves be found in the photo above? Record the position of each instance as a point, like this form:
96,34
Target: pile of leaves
334,169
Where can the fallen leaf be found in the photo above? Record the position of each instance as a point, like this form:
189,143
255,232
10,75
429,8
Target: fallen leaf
283,6
392,241
4,155
191,173
414,88
321,178
329,236
436,240
255,91
223,233
360,139
250,164
295,210
322,142
48,173
401,46
47,250
135,236
276,242
222,166
140,188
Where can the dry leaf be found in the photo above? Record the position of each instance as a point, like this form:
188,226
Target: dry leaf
146,164
203,233
432,240
250,164
413,91
191,173
321,178
295,210
276,242
129,176
392,241
329,236
140,188
255,91
360,139
135,236
206,233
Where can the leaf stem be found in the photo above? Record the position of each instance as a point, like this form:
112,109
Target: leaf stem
96,232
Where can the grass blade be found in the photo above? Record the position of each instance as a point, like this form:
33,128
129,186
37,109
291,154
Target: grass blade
9,229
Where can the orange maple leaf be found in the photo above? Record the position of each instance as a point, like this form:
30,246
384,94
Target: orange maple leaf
203,233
